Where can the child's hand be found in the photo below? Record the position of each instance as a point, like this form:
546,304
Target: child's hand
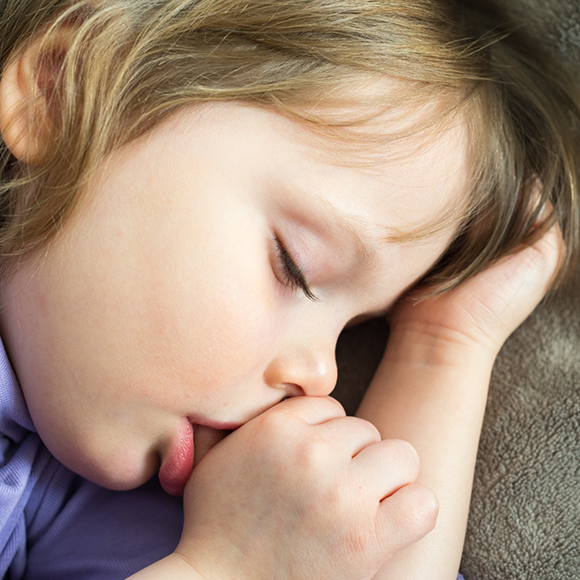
485,310
303,492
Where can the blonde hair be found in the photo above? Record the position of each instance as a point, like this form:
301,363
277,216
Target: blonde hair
131,63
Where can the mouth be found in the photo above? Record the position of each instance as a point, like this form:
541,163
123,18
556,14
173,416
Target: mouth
191,442
178,463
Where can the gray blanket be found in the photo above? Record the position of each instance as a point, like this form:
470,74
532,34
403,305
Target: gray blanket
525,513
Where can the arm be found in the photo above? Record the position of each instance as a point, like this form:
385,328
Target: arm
432,395
431,390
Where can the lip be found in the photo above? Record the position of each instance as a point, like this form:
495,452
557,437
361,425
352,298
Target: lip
183,454
178,463
215,425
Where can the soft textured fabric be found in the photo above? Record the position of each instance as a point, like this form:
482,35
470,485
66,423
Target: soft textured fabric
524,520
23,460
55,525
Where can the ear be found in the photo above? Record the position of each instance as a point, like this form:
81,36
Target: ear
27,99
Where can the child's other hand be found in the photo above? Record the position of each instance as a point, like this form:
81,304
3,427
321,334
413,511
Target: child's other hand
303,492
486,309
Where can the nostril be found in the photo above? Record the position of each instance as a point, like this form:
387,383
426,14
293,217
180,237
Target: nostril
303,372
293,390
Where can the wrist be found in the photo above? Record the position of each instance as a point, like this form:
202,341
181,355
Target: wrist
204,568
436,346
174,566
209,556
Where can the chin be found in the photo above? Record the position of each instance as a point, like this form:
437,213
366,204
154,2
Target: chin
111,473
118,483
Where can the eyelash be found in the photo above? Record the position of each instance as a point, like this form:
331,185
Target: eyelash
293,276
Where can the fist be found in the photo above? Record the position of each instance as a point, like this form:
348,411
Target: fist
303,492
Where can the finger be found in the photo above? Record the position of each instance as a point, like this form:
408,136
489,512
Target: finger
405,517
351,434
521,280
386,466
550,255
312,410
204,439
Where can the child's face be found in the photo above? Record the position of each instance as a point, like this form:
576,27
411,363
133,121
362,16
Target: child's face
166,303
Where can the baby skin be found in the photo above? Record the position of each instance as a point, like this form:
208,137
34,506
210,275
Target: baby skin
431,389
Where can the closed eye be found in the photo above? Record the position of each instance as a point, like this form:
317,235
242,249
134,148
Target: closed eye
293,276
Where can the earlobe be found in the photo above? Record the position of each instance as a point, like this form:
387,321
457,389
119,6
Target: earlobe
25,122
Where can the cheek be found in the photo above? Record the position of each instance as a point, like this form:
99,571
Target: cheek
211,303
219,340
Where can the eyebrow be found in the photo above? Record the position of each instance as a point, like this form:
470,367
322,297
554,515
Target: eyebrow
337,225
358,233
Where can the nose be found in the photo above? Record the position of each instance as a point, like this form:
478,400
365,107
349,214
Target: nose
303,371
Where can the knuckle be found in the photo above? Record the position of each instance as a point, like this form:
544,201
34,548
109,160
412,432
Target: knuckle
331,401
329,404
424,510
312,454
414,517
370,428
404,455
362,426
299,404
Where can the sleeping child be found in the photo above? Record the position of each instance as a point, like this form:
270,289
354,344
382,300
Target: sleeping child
197,197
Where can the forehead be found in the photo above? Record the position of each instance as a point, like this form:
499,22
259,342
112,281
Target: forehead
413,161
414,156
